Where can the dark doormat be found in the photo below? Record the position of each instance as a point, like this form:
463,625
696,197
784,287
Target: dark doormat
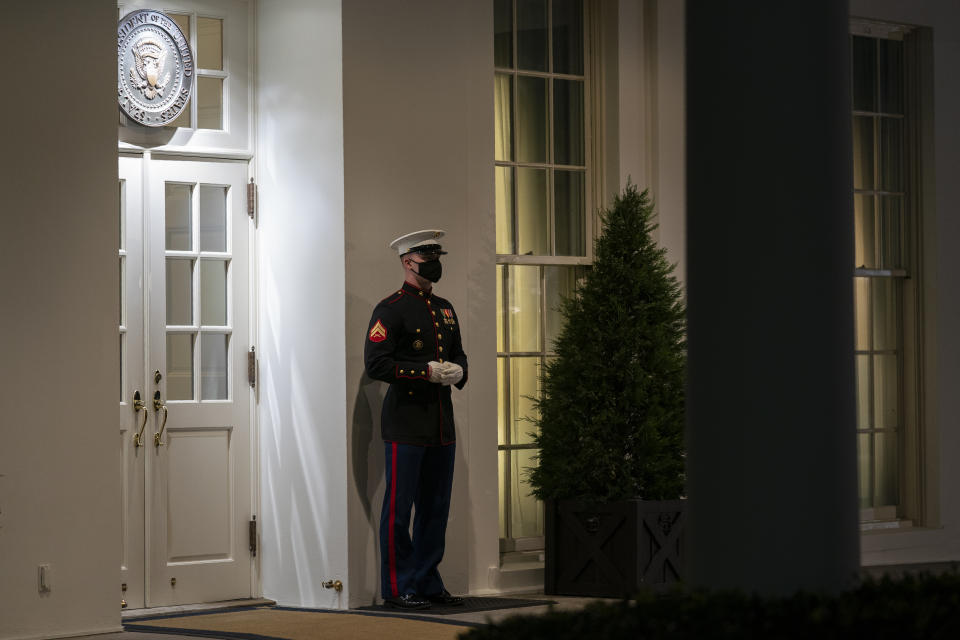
469,606
288,623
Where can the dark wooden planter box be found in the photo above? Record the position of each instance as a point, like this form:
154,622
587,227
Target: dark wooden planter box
611,550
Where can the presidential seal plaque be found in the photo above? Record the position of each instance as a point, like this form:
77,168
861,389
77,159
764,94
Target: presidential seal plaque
154,68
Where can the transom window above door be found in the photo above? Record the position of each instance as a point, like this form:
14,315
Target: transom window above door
217,115
206,39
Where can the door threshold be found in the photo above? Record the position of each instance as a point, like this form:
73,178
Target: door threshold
134,614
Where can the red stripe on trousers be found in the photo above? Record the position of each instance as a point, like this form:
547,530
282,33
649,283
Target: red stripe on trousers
393,518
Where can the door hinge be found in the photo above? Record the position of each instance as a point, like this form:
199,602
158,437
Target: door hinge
253,536
252,199
252,367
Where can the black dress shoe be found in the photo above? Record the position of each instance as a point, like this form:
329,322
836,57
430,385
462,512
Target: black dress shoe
444,599
409,601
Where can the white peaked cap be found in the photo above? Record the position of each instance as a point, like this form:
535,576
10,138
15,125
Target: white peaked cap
417,239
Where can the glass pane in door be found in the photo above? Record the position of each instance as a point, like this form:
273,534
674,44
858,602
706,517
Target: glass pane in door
213,218
180,366
179,291
213,292
179,216
213,366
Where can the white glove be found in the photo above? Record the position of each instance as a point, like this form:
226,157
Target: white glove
436,371
452,373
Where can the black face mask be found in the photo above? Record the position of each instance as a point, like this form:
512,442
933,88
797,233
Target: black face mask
431,270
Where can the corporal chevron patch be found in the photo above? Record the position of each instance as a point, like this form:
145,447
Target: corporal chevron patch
378,333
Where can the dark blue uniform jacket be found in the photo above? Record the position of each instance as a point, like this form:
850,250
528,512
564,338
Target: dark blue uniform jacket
408,329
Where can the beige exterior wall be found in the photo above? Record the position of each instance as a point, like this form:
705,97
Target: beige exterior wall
418,154
59,383
642,87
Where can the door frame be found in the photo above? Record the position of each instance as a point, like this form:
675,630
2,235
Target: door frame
132,457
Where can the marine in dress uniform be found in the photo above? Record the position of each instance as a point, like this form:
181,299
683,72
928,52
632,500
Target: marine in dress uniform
413,343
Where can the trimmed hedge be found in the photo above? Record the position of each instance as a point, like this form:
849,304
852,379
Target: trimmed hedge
610,416
922,607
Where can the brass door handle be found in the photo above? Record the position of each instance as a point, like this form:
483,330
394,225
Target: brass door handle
139,406
158,406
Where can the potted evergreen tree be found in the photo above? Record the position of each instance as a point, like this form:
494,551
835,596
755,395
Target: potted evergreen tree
611,418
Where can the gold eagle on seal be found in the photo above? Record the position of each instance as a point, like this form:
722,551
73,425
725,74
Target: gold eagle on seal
149,56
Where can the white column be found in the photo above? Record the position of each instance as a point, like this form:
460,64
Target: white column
302,409
772,458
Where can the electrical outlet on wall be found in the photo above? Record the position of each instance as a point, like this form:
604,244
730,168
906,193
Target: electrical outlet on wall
44,578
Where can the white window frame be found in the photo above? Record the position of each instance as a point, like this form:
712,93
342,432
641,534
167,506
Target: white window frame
912,507
512,544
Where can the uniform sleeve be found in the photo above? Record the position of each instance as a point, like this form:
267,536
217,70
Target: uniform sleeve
379,352
457,354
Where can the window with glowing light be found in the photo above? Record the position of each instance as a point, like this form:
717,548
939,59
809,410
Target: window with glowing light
886,274
543,236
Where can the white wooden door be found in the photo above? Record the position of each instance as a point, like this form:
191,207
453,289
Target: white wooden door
198,498
196,454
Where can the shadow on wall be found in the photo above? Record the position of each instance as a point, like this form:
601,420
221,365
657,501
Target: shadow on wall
368,470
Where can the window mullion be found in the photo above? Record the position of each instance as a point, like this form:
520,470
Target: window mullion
515,60
877,245
551,212
588,128
515,106
507,407
871,413
543,313
550,36
505,302
901,405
